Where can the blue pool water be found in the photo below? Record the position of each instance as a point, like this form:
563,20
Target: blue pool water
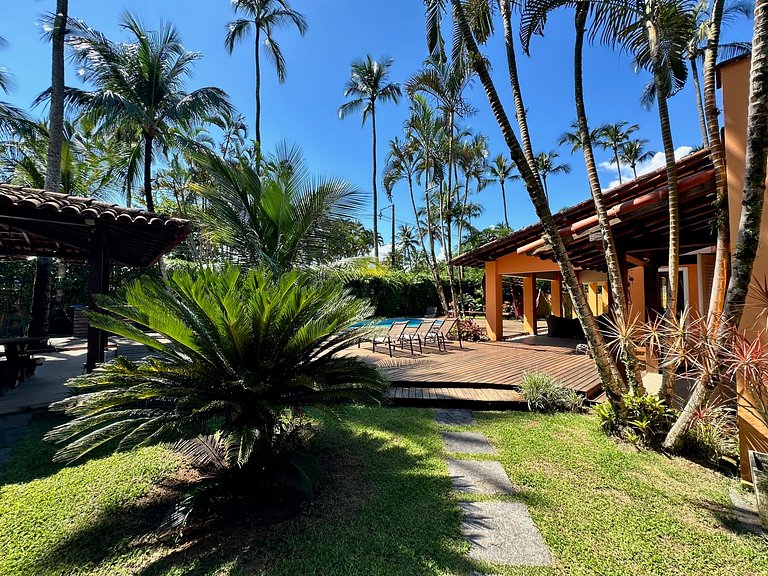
412,322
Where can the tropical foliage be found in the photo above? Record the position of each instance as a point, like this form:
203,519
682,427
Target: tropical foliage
237,358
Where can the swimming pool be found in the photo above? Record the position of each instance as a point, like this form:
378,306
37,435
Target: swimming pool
412,322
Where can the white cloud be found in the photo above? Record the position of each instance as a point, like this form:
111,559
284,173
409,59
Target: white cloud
656,162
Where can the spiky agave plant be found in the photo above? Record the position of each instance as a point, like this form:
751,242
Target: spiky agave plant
237,358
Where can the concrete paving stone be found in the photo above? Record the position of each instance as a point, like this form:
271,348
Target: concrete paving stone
479,477
454,417
503,533
467,443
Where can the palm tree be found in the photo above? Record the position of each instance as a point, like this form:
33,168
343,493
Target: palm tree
446,83
263,17
501,169
546,164
276,217
140,86
238,357
573,138
609,374
633,152
368,83
408,244
613,137
705,25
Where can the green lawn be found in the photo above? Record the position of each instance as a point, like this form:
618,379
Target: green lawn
384,507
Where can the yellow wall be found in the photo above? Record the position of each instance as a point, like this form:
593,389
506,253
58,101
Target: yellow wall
735,90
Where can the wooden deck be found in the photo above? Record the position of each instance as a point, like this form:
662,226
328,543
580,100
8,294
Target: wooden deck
482,372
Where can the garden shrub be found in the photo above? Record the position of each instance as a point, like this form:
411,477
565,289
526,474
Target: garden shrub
544,394
646,423
469,330
713,435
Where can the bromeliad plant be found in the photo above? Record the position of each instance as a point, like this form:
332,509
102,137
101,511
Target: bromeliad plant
238,356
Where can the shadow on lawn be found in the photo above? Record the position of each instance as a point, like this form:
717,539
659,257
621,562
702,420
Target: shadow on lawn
380,509
30,456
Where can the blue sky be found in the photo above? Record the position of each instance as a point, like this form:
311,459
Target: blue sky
304,109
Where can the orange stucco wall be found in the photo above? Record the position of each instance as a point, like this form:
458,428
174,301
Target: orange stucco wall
735,90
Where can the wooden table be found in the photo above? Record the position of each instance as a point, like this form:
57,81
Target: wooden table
19,363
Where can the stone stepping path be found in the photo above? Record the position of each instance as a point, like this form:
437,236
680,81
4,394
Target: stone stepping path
467,443
479,477
499,532
454,417
503,533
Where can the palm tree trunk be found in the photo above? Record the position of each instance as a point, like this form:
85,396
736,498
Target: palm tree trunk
148,173
699,101
375,194
431,257
674,209
447,221
609,373
717,155
514,81
751,207
41,291
393,234
618,165
754,178
257,123
634,170
504,202
56,122
613,265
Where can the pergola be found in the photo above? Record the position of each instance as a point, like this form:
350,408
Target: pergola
39,223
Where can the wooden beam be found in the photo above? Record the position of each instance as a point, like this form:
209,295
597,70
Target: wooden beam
98,283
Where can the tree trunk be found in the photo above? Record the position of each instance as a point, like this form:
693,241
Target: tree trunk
41,291
56,116
618,165
609,373
257,123
613,265
514,81
504,202
375,194
431,258
393,234
447,233
699,101
148,173
754,177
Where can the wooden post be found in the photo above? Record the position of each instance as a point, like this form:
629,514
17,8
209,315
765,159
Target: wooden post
556,288
493,302
529,304
98,283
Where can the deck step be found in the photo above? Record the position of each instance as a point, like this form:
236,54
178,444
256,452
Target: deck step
437,397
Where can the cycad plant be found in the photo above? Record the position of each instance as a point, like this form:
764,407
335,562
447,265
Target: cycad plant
237,357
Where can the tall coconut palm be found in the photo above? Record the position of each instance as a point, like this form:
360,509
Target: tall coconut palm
613,137
472,158
573,137
446,83
502,169
408,244
633,152
367,85
613,381
263,17
546,164
139,86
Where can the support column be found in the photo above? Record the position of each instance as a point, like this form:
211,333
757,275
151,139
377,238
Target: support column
529,304
592,297
556,289
98,283
493,302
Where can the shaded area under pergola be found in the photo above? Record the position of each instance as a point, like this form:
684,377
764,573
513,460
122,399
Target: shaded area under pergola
38,223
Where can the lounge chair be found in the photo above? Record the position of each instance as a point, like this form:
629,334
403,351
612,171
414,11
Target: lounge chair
439,333
419,334
392,337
